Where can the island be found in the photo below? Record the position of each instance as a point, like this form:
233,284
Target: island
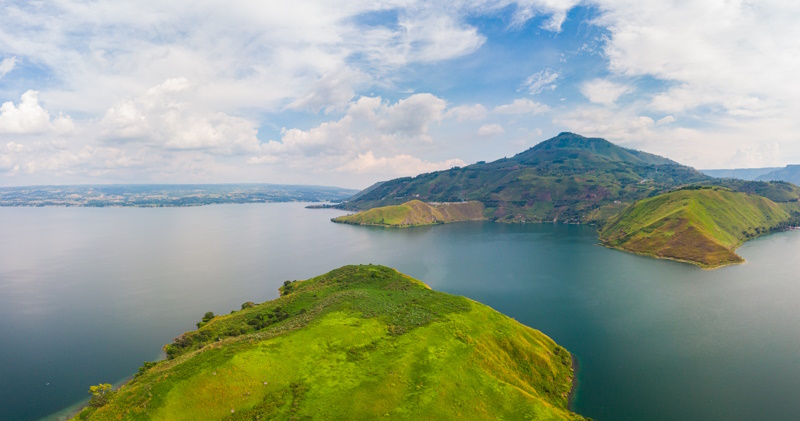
360,342
416,213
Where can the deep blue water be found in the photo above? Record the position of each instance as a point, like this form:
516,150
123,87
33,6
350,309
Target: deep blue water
88,294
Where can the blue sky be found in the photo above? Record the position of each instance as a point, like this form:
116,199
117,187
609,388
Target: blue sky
316,92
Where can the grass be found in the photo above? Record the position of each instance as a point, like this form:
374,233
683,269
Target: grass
360,343
700,225
415,213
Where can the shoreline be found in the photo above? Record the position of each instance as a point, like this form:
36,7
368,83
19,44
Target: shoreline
674,259
573,391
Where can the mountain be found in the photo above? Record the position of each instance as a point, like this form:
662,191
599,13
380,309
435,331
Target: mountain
415,213
700,225
566,178
360,342
790,173
748,174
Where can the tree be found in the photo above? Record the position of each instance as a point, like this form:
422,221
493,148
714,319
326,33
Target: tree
100,394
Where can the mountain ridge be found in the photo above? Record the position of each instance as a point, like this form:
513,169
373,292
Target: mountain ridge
566,178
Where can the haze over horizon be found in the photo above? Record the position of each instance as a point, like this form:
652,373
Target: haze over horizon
350,94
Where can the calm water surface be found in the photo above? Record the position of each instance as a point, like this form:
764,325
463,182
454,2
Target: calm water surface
87,294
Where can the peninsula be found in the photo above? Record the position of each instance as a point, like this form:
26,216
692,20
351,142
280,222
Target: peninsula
416,213
698,224
360,342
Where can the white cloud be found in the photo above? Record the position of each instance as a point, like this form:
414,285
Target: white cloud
161,118
665,120
555,9
603,91
541,81
369,125
728,54
463,113
331,91
7,65
30,118
521,106
397,165
488,130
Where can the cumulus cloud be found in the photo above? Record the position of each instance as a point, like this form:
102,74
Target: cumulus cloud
160,117
488,130
7,65
463,113
369,123
30,118
373,138
541,81
397,165
521,106
724,55
603,91
331,91
665,120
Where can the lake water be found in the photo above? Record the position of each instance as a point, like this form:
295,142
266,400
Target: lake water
88,294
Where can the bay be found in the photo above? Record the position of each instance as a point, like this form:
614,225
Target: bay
88,294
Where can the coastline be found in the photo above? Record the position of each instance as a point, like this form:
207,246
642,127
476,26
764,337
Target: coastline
674,259
573,391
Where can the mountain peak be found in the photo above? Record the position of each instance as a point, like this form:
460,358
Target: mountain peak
567,143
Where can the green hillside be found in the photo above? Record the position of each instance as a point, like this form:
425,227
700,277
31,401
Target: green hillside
700,225
415,213
569,178
358,343
566,178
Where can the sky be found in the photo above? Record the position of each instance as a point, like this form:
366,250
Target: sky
348,93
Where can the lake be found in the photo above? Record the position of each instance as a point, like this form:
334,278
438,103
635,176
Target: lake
88,294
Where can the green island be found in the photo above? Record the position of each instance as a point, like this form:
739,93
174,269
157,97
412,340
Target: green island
415,213
698,224
360,342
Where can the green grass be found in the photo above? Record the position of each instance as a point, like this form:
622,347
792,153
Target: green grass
415,213
358,343
700,225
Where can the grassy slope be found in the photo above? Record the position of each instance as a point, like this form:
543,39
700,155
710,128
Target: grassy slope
360,342
702,226
415,213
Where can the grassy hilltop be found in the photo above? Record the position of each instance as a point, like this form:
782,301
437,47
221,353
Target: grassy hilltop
415,213
700,225
358,343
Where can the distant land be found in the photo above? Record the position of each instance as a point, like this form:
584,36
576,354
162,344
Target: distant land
789,173
360,342
157,195
415,213
749,174
699,225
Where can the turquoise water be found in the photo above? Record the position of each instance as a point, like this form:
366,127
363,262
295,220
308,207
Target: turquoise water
87,294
